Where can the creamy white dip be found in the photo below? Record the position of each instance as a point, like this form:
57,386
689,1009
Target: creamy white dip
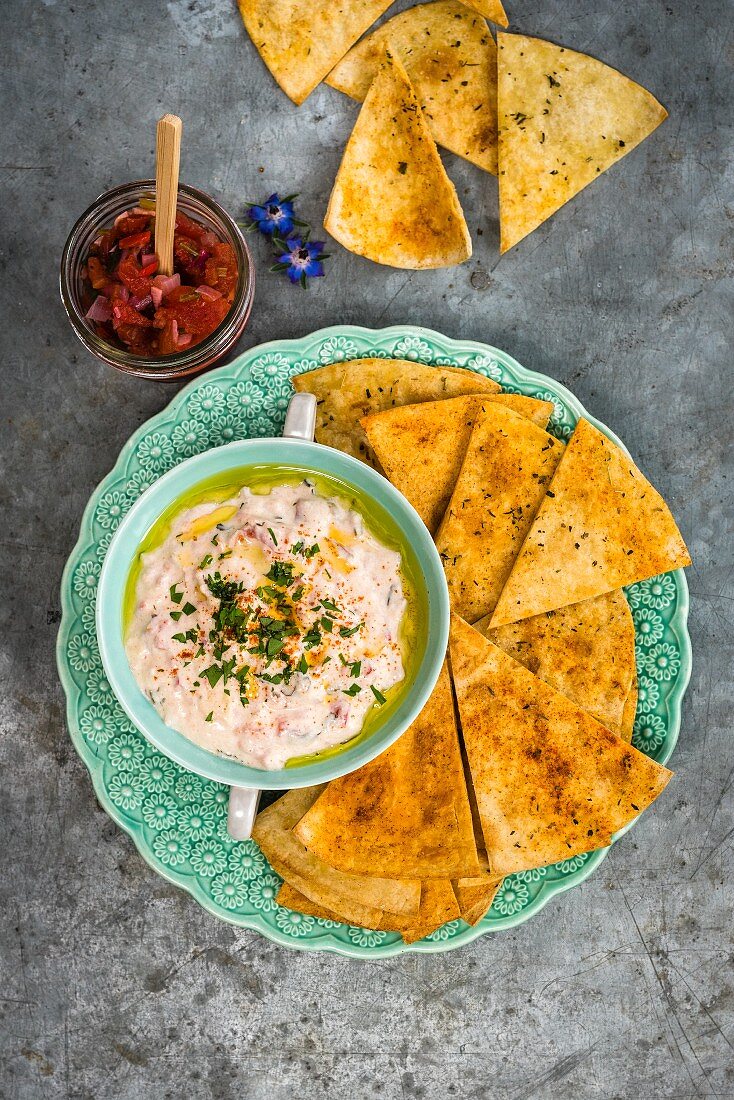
266,626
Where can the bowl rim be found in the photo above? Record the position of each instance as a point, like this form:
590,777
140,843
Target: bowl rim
113,579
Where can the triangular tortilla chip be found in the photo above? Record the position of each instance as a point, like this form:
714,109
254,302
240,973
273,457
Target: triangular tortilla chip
392,201
301,40
346,392
490,9
508,465
551,782
326,886
438,905
600,526
585,651
475,896
421,447
563,119
348,912
405,814
630,710
451,60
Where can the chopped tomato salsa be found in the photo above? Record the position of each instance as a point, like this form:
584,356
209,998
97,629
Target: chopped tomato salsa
133,307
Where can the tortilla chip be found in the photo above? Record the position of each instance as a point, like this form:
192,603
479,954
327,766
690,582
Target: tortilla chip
534,409
600,526
630,710
348,913
421,448
585,651
451,60
490,9
346,392
392,200
301,40
475,896
563,119
551,782
405,814
507,467
438,905
324,885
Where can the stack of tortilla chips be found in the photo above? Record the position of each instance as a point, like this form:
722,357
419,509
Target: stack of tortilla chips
537,539
547,120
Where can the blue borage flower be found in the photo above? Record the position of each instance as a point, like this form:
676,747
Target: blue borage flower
301,259
275,216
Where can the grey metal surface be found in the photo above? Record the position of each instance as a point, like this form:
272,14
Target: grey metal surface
115,984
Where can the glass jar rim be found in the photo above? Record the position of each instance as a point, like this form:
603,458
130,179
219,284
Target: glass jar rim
189,361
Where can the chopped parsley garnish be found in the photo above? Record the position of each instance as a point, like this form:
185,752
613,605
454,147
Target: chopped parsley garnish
176,615
213,675
327,624
353,690
209,716
281,573
302,665
313,638
309,553
296,547
329,605
188,609
350,631
175,596
206,560
297,593
221,589
378,695
272,535
356,668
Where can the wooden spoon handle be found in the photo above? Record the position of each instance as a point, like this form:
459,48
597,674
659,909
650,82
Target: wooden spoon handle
167,159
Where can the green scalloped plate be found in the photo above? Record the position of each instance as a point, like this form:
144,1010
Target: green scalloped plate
178,820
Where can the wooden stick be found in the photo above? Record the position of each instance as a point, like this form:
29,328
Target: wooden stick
167,158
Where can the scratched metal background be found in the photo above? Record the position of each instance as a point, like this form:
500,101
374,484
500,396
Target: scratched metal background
115,984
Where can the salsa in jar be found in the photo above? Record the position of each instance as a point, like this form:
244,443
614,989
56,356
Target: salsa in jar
134,307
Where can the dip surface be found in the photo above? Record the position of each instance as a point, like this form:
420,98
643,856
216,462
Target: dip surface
266,626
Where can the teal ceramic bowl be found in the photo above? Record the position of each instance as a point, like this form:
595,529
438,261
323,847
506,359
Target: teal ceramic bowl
290,455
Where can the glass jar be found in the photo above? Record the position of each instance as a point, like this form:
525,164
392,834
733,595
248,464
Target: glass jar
189,361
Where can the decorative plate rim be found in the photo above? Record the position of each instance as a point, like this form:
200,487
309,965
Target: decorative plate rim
297,348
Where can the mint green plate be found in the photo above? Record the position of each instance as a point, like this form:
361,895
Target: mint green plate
177,820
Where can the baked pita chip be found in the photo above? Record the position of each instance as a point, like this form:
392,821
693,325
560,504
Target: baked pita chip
438,905
601,526
630,710
421,447
301,40
507,468
551,782
349,912
273,831
475,896
392,200
451,60
585,651
490,9
346,392
563,119
405,814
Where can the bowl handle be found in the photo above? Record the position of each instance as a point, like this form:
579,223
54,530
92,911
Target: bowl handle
300,423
